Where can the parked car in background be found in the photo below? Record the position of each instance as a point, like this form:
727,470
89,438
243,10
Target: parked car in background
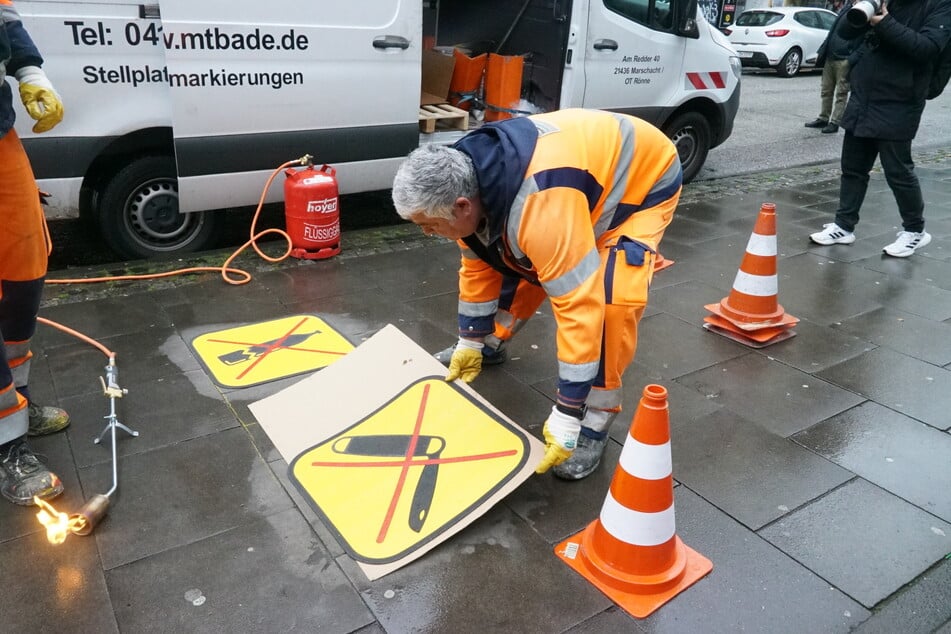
786,39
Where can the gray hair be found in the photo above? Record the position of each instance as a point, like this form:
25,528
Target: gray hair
431,179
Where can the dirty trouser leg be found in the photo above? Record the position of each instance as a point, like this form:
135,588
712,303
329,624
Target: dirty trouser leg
626,287
23,258
13,412
19,304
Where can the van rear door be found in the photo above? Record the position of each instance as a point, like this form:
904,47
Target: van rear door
632,58
255,84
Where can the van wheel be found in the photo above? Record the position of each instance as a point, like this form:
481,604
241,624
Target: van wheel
790,64
138,212
690,133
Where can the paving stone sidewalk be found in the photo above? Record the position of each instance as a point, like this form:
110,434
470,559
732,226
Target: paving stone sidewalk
815,473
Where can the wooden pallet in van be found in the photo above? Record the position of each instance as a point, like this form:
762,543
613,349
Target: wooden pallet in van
444,115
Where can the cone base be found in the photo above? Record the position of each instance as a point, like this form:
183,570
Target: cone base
744,337
637,600
781,321
661,264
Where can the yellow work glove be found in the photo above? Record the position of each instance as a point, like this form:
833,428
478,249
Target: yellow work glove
466,362
561,433
39,98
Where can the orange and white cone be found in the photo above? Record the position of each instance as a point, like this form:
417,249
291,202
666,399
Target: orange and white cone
751,314
632,552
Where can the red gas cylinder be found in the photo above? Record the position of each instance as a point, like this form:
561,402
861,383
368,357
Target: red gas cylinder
311,212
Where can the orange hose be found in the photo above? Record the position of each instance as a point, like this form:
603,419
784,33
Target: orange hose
225,269
69,331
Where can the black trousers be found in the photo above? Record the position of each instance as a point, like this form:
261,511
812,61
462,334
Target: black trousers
858,157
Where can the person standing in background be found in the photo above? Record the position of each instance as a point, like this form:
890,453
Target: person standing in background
834,92
890,76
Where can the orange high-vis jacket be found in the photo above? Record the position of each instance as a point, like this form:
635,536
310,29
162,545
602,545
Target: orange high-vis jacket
562,192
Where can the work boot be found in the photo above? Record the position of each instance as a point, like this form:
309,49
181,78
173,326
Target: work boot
47,420
818,123
24,475
490,355
585,458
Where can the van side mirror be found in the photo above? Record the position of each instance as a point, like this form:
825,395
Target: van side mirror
687,19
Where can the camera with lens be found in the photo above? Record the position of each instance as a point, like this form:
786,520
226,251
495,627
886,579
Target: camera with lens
863,11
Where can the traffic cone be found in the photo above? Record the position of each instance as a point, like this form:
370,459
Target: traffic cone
751,314
661,263
632,552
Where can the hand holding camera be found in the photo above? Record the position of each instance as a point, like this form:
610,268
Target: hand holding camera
867,12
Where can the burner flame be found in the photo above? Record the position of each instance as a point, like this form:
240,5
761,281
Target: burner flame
58,525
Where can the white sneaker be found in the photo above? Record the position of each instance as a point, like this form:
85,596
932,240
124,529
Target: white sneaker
907,243
833,234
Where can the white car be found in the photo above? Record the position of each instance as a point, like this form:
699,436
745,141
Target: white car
784,38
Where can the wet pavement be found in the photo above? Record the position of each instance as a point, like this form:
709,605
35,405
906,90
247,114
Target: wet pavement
815,473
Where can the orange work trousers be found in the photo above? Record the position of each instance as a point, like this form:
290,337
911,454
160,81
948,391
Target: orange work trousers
24,243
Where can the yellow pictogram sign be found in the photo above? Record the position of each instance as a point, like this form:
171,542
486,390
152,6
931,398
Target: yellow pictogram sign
410,470
269,350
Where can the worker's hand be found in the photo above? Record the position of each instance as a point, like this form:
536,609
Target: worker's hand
39,98
561,433
466,362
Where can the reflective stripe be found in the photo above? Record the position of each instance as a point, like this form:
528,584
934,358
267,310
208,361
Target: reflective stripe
528,188
16,349
569,281
578,372
761,245
8,398
673,176
647,462
597,420
634,527
469,254
478,309
21,373
757,285
621,175
14,421
545,127
604,399
505,319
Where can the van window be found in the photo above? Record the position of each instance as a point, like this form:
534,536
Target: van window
758,18
654,14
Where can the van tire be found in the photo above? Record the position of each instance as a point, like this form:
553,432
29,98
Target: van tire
690,133
138,212
790,64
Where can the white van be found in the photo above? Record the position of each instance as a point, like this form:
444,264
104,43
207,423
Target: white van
181,107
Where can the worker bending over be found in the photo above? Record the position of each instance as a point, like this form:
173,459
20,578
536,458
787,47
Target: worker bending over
569,205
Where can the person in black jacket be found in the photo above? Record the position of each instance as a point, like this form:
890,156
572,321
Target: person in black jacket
834,59
889,75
